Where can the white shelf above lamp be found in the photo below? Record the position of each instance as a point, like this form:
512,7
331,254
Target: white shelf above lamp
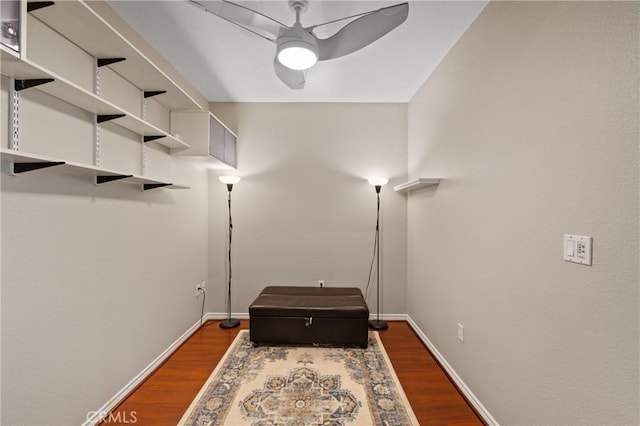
414,184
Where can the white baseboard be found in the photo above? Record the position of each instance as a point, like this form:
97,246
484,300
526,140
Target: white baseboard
473,400
103,411
389,317
220,315
223,315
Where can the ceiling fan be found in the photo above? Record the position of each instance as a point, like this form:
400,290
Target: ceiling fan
298,48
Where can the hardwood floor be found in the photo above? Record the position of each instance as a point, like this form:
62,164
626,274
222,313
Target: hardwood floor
166,394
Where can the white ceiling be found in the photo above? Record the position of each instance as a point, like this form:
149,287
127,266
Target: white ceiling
229,64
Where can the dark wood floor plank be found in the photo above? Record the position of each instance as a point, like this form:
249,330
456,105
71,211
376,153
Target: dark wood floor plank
166,394
433,397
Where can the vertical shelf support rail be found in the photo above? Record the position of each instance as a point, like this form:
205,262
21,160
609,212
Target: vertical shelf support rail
15,86
97,78
97,129
143,156
97,132
14,141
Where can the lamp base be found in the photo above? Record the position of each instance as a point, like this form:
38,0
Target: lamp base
378,324
229,323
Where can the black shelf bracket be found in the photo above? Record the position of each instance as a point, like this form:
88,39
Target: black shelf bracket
110,178
103,62
148,186
101,118
35,5
27,167
152,138
31,82
151,93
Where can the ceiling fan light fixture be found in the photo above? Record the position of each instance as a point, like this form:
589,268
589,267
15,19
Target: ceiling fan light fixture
297,54
297,49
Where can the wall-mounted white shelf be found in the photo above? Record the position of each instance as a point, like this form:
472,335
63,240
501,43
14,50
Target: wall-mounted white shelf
32,162
78,22
414,184
209,138
70,92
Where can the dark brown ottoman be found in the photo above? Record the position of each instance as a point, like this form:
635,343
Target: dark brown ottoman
309,315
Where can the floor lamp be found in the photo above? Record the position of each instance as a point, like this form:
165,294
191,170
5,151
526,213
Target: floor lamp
378,324
229,322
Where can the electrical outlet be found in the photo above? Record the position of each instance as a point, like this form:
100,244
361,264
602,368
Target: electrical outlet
200,288
461,332
321,283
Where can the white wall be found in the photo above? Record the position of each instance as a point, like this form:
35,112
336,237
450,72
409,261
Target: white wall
532,122
96,281
304,210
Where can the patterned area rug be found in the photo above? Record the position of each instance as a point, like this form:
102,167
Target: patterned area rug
291,386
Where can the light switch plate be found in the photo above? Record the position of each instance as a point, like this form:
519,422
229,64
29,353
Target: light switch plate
577,249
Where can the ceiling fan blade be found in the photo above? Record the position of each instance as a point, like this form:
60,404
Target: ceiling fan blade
292,78
248,19
362,32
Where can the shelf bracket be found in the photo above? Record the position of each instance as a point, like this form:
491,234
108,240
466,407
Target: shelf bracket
152,138
110,178
148,186
103,62
151,93
35,5
29,83
18,168
101,118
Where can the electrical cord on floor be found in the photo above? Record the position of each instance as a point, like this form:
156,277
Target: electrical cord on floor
204,297
373,257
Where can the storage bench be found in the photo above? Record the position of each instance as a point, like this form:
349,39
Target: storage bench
309,315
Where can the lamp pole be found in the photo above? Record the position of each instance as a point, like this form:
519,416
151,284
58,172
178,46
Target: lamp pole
378,324
229,322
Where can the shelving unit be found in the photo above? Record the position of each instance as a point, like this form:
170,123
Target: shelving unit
75,27
78,22
70,92
414,184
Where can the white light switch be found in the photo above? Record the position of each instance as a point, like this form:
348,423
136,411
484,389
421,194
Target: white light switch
577,249
571,247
